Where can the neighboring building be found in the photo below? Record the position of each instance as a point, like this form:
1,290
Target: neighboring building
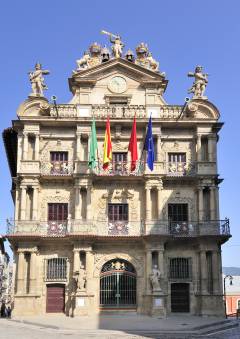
86,239
232,294
5,274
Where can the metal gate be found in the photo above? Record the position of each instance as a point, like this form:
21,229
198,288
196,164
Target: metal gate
118,284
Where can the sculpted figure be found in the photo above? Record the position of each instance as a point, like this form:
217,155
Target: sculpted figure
154,279
83,63
117,44
37,80
200,83
154,65
80,278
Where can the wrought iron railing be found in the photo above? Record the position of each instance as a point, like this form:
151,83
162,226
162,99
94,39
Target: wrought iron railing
123,168
180,169
118,228
57,168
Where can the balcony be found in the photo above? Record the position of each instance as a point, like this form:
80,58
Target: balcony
122,168
105,228
180,169
57,168
169,112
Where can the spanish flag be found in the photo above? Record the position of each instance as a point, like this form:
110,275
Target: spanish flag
107,148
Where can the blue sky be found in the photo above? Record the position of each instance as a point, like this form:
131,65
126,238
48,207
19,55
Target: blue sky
180,34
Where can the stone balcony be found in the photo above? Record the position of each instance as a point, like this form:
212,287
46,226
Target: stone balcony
106,228
170,112
57,168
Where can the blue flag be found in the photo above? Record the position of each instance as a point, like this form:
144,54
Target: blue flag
149,146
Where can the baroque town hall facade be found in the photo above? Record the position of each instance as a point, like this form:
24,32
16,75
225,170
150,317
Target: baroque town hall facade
90,239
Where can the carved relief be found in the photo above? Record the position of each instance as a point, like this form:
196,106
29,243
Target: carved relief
54,145
59,196
103,258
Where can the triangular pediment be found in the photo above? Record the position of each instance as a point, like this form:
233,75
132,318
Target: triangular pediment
129,69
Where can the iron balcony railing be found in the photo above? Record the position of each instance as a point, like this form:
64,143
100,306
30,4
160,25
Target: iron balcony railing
123,168
57,168
118,228
180,169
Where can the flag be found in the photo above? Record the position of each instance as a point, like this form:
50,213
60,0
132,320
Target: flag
132,147
107,148
149,146
92,160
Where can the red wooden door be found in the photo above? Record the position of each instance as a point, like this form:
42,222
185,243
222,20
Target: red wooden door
55,298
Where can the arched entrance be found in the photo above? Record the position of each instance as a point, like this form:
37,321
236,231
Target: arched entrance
118,284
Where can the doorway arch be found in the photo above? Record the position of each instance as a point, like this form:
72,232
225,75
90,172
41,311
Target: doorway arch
118,284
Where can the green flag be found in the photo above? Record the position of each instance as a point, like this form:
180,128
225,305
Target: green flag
92,161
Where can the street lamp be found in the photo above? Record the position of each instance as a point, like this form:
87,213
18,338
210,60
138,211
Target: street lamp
228,276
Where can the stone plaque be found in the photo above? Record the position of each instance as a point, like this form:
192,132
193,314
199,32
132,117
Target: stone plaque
80,302
158,302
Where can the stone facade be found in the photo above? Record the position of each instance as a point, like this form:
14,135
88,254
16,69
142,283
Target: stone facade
6,275
69,254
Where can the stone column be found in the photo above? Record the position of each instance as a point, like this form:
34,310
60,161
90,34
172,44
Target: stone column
161,261
16,211
36,151
20,149
25,145
35,203
212,203
148,203
203,261
216,272
158,147
78,150
211,141
217,203
33,276
148,269
89,269
78,202
20,273
76,259
199,155
89,207
200,203
23,202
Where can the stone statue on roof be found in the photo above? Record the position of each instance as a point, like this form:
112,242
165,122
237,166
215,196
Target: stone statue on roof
199,86
37,80
117,44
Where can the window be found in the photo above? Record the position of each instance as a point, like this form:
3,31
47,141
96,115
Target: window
59,162
177,163
119,157
209,272
180,268
177,157
238,304
206,204
178,218
56,269
57,218
119,163
117,212
178,212
57,212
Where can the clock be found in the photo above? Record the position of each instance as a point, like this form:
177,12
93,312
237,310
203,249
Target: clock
117,84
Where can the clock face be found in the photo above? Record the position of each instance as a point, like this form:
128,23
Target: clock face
117,85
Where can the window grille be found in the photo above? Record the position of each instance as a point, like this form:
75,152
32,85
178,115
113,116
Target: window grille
180,268
56,269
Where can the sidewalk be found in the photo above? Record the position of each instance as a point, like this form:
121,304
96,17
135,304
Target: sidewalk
131,323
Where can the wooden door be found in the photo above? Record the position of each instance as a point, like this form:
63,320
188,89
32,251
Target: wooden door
55,298
180,298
